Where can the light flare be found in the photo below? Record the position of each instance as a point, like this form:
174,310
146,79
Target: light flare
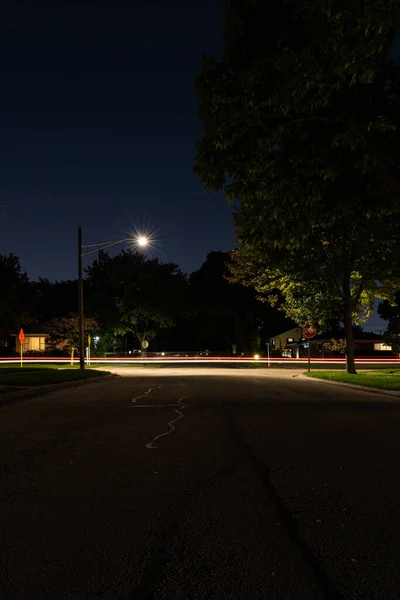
144,239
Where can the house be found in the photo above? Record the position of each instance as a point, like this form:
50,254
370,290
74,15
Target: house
367,347
34,342
282,343
292,344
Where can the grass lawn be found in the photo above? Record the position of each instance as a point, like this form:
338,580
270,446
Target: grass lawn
28,376
261,365
127,365
11,367
385,379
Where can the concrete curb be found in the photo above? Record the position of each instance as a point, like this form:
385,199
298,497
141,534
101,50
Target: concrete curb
364,388
35,391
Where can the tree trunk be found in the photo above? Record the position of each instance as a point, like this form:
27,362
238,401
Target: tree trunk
240,333
348,327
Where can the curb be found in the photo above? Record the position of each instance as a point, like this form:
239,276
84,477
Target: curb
364,388
36,391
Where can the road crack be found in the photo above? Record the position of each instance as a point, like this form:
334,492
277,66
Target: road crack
171,424
286,518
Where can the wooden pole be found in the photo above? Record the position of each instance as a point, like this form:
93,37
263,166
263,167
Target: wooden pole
81,317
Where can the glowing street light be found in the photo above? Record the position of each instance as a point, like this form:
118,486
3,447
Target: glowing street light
138,240
142,241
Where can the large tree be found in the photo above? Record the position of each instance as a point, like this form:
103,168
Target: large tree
16,298
55,299
226,314
130,293
301,118
63,332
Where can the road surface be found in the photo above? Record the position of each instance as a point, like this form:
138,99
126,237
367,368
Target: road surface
172,484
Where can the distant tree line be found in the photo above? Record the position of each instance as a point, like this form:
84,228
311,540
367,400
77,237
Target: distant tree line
129,298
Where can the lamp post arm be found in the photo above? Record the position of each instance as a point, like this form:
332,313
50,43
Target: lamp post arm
103,245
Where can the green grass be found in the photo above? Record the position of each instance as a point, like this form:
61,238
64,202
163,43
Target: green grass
388,371
387,379
260,365
9,368
127,365
21,377
40,366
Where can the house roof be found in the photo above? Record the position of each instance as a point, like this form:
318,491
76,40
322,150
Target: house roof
286,332
327,336
38,334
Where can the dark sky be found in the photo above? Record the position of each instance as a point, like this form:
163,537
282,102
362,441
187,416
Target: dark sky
98,128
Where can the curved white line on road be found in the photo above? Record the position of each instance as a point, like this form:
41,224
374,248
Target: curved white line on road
170,424
146,393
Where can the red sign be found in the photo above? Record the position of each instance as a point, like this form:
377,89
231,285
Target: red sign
21,336
309,331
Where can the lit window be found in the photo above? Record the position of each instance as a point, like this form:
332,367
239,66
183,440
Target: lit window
34,343
382,346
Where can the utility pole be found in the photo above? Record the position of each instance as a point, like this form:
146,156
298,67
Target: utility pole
80,292
140,240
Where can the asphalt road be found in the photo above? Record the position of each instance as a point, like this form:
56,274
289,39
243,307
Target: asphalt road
263,486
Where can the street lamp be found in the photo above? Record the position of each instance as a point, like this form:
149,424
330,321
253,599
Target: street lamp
140,240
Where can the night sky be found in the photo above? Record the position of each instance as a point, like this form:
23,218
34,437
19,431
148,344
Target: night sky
98,121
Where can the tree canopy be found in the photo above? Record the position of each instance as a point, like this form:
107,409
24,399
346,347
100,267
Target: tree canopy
63,332
390,312
227,314
15,295
301,125
129,293
55,299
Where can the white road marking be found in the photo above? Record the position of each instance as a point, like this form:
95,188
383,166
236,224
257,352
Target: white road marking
170,424
146,393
